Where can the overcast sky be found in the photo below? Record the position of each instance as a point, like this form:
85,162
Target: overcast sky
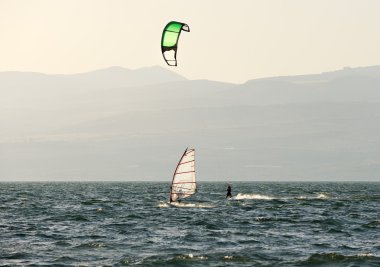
229,40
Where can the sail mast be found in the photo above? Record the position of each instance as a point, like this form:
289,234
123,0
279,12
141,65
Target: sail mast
175,171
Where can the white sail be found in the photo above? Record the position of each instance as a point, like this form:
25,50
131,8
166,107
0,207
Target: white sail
184,184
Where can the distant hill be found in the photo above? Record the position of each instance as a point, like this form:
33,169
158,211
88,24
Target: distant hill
124,124
112,77
28,89
346,85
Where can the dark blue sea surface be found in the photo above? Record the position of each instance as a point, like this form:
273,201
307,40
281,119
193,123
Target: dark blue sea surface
131,224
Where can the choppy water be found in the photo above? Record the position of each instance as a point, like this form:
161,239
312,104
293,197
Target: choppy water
131,224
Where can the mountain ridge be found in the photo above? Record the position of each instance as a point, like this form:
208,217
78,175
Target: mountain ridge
311,128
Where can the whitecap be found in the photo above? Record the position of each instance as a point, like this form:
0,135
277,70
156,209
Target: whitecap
241,196
322,196
366,255
192,256
318,196
191,205
163,204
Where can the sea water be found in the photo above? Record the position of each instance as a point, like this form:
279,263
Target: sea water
132,224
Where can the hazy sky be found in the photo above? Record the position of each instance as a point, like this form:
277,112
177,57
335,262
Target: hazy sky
229,40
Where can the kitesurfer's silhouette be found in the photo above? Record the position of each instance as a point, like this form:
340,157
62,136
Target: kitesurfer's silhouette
229,194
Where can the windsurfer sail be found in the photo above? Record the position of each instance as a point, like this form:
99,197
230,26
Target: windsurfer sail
183,183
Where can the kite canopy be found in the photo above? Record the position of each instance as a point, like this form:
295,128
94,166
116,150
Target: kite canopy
169,41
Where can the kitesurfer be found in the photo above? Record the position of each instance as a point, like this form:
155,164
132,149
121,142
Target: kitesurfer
229,194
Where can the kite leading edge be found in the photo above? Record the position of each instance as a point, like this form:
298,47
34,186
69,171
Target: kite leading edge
169,41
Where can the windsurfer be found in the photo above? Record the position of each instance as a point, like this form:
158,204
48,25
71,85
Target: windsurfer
180,195
171,199
177,195
229,194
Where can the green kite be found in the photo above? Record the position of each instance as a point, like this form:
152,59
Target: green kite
169,41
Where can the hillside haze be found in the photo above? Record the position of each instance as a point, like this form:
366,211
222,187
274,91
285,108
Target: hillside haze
120,124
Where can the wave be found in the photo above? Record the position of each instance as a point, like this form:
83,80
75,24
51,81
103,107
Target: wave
172,260
188,259
318,196
244,196
241,196
366,255
191,256
323,196
337,258
90,245
373,224
163,204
